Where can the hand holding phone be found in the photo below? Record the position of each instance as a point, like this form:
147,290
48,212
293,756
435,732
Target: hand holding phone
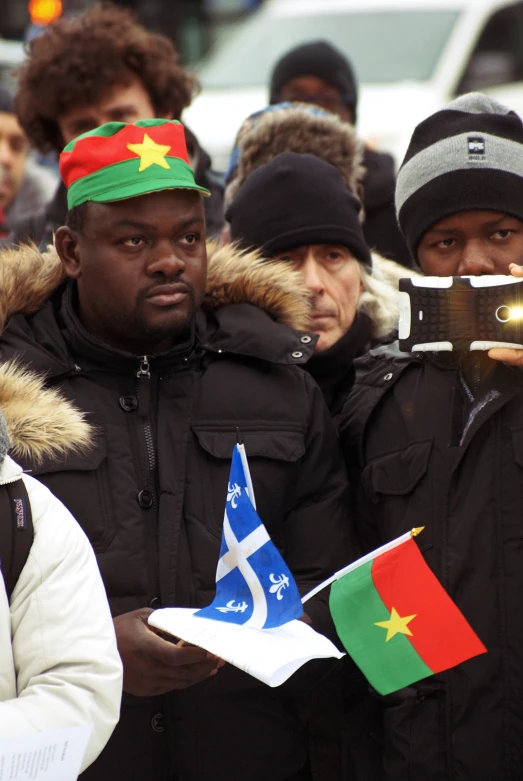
461,313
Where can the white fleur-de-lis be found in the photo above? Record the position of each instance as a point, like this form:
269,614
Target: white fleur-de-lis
279,584
233,492
241,607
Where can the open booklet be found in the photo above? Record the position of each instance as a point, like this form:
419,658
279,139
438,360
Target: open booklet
271,655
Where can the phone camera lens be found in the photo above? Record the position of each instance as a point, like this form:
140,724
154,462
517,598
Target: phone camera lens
503,314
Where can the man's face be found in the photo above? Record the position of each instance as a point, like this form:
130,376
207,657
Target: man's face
140,266
472,243
332,274
123,103
13,155
310,89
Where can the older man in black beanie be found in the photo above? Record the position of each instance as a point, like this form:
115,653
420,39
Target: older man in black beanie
298,208
318,73
438,440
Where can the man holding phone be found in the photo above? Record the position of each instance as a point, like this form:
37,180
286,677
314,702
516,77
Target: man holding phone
438,440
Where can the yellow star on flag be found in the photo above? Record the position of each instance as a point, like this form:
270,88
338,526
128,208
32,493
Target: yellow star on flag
396,625
150,153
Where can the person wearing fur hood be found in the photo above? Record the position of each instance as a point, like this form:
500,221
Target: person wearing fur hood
59,665
264,310
170,352
298,208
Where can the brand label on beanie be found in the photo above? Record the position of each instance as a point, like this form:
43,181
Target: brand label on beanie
476,147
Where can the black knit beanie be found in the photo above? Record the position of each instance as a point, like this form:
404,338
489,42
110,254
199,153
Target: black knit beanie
319,59
293,201
467,156
6,101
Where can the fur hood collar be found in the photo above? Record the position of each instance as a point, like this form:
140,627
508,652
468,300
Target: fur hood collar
299,128
29,277
42,424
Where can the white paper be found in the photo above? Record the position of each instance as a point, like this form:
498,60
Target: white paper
54,755
271,655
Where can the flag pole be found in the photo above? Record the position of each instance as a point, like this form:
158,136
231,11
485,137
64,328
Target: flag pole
363,560
245,464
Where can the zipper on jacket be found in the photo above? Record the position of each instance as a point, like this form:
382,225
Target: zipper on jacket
144,398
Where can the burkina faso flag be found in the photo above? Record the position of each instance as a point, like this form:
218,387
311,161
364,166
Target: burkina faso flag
396,620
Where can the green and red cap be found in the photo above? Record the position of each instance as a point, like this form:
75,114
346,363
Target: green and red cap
118,161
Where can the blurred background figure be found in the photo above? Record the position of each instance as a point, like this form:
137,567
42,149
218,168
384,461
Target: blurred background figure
24,185
97,67
318,73
308,129
295,127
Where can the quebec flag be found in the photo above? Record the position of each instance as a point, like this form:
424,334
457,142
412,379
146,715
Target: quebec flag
254,586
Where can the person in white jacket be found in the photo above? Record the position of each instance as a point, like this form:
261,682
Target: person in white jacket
59,665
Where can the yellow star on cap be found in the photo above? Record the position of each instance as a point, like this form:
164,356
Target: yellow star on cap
396,625
150,153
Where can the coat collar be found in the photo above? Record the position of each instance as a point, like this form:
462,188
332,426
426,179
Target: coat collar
252,308
247,330
28,278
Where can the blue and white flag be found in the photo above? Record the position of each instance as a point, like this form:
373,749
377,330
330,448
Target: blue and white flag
254,586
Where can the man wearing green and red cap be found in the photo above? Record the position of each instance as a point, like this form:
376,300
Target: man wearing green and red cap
166,384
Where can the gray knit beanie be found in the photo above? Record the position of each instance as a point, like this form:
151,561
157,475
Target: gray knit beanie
467,156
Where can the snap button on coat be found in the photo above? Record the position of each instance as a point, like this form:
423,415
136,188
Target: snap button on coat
157,722
145,499
128,403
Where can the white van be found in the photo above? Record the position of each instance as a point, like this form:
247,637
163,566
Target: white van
411,58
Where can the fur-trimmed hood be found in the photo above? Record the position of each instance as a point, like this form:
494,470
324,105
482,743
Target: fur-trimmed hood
29,277
41,423
298,128
237,277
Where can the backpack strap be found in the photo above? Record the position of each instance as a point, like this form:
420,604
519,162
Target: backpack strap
16,532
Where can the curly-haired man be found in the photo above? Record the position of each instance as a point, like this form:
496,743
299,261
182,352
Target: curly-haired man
97,67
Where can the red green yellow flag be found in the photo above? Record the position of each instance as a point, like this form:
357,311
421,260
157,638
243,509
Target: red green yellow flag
396,620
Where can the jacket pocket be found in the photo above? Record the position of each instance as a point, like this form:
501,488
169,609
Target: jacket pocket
81,482
517,445
399,483
414,734
281,444
274,453
513,493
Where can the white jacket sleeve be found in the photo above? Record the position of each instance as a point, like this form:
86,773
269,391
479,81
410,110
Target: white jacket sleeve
63,643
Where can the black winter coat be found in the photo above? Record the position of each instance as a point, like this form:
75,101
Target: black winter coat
433,454
150,495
